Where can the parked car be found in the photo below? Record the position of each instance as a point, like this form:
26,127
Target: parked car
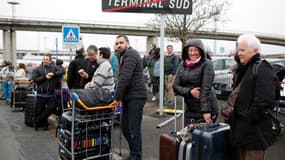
222,85
223,76
222,64
222,81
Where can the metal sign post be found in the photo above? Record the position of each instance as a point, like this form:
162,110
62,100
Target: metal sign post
161,79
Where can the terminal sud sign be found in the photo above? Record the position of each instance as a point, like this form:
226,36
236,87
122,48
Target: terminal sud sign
148,6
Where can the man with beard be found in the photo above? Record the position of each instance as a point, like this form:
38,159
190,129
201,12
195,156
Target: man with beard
131,92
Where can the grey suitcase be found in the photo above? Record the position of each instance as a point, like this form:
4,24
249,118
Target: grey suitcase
184,152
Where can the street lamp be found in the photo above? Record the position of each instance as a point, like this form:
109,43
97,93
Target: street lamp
13,3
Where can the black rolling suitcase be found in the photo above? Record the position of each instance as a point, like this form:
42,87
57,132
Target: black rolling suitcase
30,109
211,143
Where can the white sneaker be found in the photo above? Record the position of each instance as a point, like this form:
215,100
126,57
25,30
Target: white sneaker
153,98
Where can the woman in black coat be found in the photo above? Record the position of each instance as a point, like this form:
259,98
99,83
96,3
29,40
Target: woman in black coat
194,81
252,126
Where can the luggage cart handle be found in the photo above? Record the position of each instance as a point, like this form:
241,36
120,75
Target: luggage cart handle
75,97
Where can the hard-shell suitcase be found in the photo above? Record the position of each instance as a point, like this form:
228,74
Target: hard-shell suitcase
185,150
168,147
30,109
211,143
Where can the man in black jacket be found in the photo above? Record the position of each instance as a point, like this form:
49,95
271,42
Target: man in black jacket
73,77
45,77
131,92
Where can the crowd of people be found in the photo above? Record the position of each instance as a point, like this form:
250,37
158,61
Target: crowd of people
191,77
151,63
9,73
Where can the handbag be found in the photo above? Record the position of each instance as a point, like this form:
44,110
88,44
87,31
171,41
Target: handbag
227,108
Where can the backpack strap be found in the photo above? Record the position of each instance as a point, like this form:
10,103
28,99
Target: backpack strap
255,68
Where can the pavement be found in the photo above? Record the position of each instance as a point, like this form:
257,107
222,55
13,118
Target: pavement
19,142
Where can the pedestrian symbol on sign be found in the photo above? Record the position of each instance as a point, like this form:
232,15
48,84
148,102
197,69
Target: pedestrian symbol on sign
70,36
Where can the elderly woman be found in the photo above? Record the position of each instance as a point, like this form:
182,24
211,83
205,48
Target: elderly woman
194,81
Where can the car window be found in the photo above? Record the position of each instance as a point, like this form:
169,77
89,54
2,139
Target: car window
228,63
218,64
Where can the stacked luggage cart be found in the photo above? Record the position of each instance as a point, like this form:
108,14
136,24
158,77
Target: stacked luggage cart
20,90
86,132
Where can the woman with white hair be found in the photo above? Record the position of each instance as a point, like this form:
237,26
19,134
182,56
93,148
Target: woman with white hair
251,128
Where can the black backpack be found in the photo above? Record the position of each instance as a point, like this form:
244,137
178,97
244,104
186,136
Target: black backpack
279,72
278,75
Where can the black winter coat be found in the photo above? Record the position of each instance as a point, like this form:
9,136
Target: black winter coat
130,79
170,64
201,75
73,77
252,128
46,85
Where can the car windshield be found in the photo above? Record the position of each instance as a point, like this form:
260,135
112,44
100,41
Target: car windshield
222,64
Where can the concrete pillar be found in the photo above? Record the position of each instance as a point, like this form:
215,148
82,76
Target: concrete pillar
149,41
13,48
6,45
9,46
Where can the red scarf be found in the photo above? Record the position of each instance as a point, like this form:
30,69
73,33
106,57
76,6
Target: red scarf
191,63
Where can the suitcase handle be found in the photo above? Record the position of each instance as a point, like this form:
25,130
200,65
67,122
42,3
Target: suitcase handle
76,97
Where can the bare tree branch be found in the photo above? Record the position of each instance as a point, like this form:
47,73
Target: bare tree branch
205,14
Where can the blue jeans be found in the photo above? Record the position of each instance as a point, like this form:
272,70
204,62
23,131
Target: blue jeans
6,87
132,112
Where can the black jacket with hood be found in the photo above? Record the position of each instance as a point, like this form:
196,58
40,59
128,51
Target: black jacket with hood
201,75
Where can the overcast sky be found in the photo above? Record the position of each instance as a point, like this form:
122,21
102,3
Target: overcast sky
260,16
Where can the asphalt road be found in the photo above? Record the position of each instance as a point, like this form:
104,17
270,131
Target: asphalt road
19,142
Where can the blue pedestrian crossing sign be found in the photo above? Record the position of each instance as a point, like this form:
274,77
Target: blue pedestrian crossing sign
71,36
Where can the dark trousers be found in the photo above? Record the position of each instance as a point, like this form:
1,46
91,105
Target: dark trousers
45,106
132,112
155,85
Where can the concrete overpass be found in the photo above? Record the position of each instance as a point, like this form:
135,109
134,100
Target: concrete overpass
9,26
